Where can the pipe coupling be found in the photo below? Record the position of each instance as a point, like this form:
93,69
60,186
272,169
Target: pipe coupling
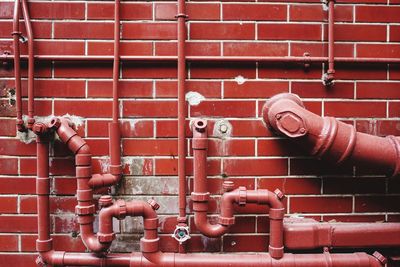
199,143
122,210
149,245
105,238
200,197
226,221
84,210
242,199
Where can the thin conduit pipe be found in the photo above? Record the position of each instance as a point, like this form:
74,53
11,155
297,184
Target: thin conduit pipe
210,59
181,17
31,64
330,75
17,66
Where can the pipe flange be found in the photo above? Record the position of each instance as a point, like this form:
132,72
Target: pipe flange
105,238
242,196
122,209
227,221
84,210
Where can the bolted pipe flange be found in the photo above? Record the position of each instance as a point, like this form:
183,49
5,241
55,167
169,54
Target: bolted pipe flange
154,205
279,194
105,201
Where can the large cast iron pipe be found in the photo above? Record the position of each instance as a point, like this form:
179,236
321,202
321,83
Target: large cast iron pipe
59,258
17,67
312,234
328,138
241,196
31,63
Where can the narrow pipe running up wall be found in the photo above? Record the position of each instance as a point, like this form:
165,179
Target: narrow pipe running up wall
330,74
328,138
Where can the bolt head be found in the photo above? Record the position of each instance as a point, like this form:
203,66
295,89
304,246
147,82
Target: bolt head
153,204
223,128
279,193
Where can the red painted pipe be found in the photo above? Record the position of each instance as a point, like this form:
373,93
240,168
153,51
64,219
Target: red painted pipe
241,196
31,64
328,138
59,258
330,75
181,17
83,161
312,234
17,67
212,59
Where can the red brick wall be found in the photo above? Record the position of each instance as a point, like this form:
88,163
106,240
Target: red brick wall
364,95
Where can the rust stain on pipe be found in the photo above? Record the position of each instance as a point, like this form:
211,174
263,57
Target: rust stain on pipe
329,139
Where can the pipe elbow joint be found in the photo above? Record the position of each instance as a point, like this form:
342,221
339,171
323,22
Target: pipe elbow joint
103,180
53,258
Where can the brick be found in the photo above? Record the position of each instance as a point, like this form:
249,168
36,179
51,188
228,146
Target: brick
57,204
378,50
149,71
208,89
318,90
86,30
149,31
170,167
249,128
84,108
378,127
8,204
18,224
82,70
376,203
377,14
321,50
58,11
293,31
245,243
64,186
137,89
52,88
128,11
355,109
41,29
232,147
239,167
378,90
126,48
228,71
257,12
300,166
222,31
349,185
317,13
131,128
254,89
224,109
8,166
27,260
362,72
358,32
14,147
192,49
255,49
150,109
320,204
169,128
145,147
277,147
12,185
292,186
8,127
195,11
8,243
394,33
288,71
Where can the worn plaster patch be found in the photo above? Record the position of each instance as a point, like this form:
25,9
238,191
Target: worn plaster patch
240,79
194,98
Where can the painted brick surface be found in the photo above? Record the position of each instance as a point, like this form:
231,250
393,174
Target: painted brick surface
366,96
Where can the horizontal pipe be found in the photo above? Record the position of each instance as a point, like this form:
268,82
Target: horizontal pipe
330,139
220,59
58,258
312,235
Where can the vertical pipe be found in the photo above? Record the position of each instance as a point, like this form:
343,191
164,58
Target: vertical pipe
43,242
331,43
181,16
17,66
31,63
113,127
